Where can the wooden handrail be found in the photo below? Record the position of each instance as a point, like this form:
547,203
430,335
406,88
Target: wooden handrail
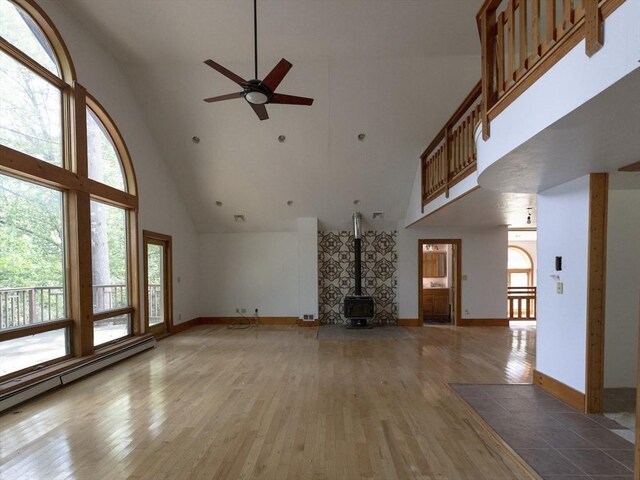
451,155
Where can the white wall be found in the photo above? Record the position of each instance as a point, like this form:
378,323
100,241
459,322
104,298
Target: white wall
563,227
249,270
161,206
484,262
307,233
623,288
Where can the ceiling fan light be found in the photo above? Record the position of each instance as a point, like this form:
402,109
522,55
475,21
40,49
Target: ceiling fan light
257,98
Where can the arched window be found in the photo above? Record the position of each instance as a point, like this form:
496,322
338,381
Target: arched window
68,251
520,267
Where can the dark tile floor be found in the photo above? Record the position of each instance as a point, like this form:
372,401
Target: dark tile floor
559,442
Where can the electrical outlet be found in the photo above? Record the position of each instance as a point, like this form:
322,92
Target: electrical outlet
243,310
466,312
179,316
559,288
237,310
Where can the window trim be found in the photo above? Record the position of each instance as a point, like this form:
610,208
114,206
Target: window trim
67,69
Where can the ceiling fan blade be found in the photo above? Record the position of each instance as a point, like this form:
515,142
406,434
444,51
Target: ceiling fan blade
227,73
228,96
290,99
260,110
634,167
276,75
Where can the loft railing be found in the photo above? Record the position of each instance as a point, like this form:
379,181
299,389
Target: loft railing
451,156
20,307
522,39
521,302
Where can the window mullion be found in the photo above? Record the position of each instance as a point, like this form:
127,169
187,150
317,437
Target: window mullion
79,232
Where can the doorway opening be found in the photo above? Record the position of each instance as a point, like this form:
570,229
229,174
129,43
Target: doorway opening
158,291
439,267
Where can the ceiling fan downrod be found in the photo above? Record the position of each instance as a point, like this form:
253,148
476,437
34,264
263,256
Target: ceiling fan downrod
255,38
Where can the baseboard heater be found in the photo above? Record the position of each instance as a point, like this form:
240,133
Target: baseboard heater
15,397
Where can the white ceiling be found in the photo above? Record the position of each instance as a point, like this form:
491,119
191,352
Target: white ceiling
483,208
392,69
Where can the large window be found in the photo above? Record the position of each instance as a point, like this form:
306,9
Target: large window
32,281
67,205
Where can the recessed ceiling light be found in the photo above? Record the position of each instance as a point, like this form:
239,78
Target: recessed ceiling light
239,218
361,136
218,203
289,202
356,202
195,139
281,138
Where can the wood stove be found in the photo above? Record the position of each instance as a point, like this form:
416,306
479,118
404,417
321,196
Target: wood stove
358,309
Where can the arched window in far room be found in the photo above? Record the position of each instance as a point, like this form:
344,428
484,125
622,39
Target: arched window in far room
520,268
67,201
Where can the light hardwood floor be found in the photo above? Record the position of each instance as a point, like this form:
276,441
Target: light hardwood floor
275,403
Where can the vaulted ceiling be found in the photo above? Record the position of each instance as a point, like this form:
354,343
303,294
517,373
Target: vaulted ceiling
394,70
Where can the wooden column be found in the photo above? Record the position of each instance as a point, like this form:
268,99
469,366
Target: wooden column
596,280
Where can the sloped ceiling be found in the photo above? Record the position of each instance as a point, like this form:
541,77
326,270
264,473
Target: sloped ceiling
393,70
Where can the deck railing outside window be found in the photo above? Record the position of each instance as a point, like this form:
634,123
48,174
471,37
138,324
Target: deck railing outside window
20,307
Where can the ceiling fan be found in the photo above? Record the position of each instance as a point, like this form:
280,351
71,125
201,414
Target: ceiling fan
257,92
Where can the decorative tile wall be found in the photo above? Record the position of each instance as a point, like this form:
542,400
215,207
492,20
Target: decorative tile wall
336,274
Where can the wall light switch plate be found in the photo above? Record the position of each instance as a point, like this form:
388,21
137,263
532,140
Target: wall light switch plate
559,288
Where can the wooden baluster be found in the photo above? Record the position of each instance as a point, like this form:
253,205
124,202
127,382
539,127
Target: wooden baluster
551,25
567,15
488,45
593,27
446,153
524,25
500,55
511,43
466,143
32,305
535,32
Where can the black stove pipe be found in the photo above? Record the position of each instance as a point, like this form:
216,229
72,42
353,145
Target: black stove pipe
357,265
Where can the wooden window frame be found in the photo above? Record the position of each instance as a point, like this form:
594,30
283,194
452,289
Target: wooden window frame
78,191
